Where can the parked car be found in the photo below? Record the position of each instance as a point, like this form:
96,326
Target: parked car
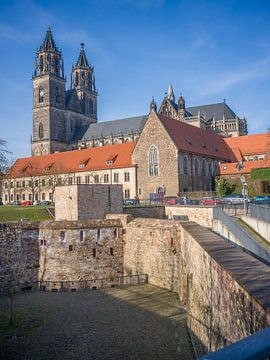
15,203
210,201
26,203
45,203
131,202
233,199
1,203
261,200
36,203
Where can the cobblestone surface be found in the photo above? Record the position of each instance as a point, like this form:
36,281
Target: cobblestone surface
135,322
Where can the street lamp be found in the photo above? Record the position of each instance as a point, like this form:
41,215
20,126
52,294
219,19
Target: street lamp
244,191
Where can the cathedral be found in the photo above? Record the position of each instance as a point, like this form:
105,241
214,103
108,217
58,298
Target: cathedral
67,119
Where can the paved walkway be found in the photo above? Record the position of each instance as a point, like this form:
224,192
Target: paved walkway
135,322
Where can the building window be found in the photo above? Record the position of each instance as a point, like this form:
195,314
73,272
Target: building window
23,197
43,182
6,198
36,197
96,179
111,251
82,165
11,197
41,94
185,165
210,170
127,194
36,183
6,185
17,184
62,236
87,179
153,161
50,196
126,176
70,248
29,197
116,177
196,167
70,181
106,178
94,253
23,183
91,106
18,197
203,168
11,185
43,196
78,180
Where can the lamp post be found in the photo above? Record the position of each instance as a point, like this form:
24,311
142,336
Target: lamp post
244,191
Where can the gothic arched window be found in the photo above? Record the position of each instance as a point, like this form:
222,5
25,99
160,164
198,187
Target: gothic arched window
41,94
153,161
210,169
91,106
196,167
185,165
40,131
203,168
76,78
41,63
57,96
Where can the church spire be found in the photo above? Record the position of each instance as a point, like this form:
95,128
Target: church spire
82,60
170,93
153,105
49,43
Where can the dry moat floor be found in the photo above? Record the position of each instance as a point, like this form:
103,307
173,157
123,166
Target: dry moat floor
135,322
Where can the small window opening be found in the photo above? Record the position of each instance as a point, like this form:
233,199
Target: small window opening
62,235
41,242
115,232
111,251
98,234
81,236
70,248
171,242
94,253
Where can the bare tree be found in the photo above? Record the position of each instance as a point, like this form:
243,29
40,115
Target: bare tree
3,155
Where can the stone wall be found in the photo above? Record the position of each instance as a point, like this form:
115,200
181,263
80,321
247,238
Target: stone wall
225,302
261,227
80,202
203,215
80,251
19,255
155,212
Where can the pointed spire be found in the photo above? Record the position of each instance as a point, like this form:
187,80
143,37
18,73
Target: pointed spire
49,43
170,93
82,60
153,105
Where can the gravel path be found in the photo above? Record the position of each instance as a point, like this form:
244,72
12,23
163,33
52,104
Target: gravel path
135,322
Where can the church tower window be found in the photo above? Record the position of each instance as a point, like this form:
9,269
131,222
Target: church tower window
185,165
40,131
91,106
41,94
57,96
153,161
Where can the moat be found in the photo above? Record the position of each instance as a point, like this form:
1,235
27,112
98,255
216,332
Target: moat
135,322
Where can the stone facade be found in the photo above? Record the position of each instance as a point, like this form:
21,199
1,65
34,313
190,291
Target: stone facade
202,215
58,113
154,135
81,202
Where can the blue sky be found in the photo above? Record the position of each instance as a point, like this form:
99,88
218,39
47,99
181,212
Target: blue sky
209,50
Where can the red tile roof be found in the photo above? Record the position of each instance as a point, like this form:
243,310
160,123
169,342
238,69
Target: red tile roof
249,145
69,161
233,169
192,139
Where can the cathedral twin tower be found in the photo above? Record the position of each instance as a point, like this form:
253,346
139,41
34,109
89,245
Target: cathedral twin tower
57,112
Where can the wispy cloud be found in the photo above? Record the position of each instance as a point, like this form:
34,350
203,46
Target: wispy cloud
11,34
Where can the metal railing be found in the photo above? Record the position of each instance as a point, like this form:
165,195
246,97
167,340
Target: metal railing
92,284
260,212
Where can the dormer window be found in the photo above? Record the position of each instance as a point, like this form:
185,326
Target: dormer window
111,160
83,163
48,167
225,167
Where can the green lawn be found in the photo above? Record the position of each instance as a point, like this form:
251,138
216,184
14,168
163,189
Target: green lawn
16,213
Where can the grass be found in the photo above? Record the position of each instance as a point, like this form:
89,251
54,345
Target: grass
16,213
